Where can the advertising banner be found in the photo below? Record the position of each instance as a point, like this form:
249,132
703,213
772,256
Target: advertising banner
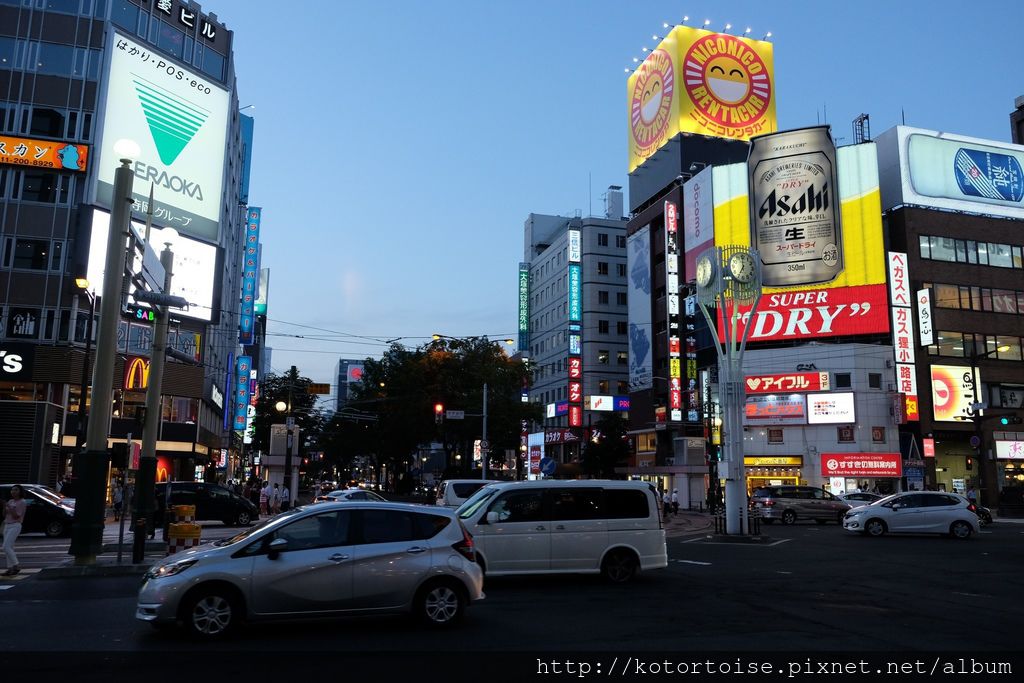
179,119
641,362
575,293
698,218
263,291
1010,450
575,246
763,410
855,301
861,465
136,373
250,273
929,448
698,81
535,446
837,408
524,306
903,334
60,156
675,394
899,283
906,379
924,317
241,392
788,383
953,390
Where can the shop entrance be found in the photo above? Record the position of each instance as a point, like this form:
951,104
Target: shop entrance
755,481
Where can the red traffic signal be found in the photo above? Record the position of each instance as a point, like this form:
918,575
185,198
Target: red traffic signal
438,412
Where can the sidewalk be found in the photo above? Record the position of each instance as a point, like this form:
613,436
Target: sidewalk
687,522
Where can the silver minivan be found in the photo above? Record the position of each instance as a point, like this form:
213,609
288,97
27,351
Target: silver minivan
564,526
793,503
451,493
321,560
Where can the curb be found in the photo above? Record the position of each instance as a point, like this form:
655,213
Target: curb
92,570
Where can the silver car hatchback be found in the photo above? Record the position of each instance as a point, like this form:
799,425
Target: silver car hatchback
329,559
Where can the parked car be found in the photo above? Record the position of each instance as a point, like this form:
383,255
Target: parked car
212,502
926,512
859,498
549,527
984,515
46,511
320,560
452,493
350,494
792,503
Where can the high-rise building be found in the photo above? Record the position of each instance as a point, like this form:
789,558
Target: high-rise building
77,77
1017,121
347,371
573,303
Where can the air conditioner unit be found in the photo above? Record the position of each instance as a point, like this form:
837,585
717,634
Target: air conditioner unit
888,363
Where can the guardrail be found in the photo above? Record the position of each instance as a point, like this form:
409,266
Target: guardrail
753,523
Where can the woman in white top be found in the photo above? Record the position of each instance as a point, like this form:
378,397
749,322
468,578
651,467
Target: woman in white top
14,514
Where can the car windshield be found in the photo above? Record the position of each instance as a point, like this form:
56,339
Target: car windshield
887,499
467,509
246,533
47,493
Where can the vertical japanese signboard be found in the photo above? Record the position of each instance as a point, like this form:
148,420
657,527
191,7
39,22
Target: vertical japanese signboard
638,257
901,297
675,373
524,306
575,330
241,392
250,274
924,317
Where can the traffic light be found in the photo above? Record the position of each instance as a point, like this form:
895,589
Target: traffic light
1009,420
438,413
970,462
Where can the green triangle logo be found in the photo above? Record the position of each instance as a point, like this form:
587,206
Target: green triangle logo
173,122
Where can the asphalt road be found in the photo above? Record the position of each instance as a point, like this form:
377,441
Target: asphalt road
814,588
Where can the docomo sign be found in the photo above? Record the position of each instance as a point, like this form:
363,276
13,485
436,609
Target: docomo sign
795,381
861,465
817,313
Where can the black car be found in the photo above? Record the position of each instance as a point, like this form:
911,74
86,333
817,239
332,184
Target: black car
46,511
212,502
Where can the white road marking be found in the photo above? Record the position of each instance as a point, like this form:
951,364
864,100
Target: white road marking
6,587
782,572
703,564
741,545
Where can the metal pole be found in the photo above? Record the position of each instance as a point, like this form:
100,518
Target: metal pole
146,484
485,447
291,439
82,412
90,467
982,496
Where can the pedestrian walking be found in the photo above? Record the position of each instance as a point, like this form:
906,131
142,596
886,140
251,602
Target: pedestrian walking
972,495
14,513
265,498
666,503
118,498
675,501
275,499
285,498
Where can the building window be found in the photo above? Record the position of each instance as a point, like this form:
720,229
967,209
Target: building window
621,299
970,251
775,435
623,387
602,327
875,380
846,434
843,380
40,186
620,269
622,327
602,239
602,387
878,434
620,241
602,297
602,267
602,356
622,358
30,254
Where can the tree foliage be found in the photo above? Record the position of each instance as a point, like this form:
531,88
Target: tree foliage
291,389
609,449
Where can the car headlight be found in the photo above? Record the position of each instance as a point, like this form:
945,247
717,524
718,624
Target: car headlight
171,569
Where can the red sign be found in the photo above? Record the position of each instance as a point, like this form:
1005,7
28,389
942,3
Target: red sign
575,416
560,436
793,382
575,367
136,373
671,217
929,448
675,399
575,392
534,459
817,313
911,408
861,465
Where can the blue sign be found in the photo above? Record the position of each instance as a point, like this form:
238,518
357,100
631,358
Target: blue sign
562,408
576,344
989,174
250,276
548,466
229,409
240,393
575,293
622,403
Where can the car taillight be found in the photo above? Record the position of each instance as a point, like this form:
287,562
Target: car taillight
465,547
972,507
769,502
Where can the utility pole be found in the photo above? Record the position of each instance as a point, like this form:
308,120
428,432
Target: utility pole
484,446
146,480
293,374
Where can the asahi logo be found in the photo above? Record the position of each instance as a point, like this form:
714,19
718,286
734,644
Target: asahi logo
811,200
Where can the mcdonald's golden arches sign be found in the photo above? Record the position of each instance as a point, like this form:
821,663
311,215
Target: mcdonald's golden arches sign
136,373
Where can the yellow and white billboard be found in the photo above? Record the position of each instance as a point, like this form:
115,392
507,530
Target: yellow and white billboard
954,391
698,81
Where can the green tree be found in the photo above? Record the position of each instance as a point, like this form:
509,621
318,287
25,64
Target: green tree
291,389
610,448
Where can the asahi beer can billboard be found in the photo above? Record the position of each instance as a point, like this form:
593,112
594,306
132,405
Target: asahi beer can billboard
794,207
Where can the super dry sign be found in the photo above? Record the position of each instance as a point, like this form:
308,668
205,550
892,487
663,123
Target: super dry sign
136,373
788,383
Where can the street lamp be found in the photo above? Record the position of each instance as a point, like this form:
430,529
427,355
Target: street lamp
83,284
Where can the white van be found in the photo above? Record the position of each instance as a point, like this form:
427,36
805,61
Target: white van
451,493
567,526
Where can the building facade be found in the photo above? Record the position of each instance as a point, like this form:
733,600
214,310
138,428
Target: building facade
73,73
347,372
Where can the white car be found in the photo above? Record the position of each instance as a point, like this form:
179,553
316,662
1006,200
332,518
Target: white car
920,512
350,494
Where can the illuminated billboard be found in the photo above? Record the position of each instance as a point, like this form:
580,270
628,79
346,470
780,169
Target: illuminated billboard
638,258
951,172
179,120
698,81
195,265
837,408
953,392
61,156
855,300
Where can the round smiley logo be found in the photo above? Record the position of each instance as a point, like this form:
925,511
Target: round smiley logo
651,101
727,82
947,389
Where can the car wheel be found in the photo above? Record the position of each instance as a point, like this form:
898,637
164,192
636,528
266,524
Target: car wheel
960,529
211,613
789,517
243,519
440,604
619,566
55,528
875,527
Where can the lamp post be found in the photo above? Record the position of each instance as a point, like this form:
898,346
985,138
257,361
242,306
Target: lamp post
283,407
83,284
90,466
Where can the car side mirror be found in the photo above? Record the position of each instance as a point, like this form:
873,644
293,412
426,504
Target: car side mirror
492,517
896,506
276,547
